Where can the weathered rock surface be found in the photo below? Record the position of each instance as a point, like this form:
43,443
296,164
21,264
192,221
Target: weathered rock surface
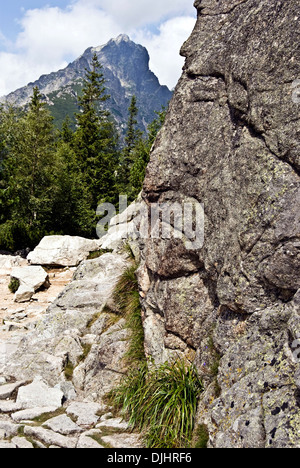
39,394
7,262
62,251
57,341
231,143
31,278
73,425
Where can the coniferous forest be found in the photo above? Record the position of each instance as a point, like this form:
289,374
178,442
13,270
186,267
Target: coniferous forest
51,181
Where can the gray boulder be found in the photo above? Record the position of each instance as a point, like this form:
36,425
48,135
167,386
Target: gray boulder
62,251
31,278
7,262
39,394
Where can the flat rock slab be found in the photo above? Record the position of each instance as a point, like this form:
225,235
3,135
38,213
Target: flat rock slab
62,251
87,442
32,413
7,445
86,413
7,390
123,441
8,428
50,438
21,443
114,423
9,406
63,425
38,394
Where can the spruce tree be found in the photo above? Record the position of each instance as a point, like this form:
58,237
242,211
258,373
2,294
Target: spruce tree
95,140
29,175
133,133
132,140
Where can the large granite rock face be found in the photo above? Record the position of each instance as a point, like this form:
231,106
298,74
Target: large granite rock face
231,142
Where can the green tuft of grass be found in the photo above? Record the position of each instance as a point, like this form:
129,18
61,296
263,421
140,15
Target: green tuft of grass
69,370
127,300
162,402
14,285
98,253
201,437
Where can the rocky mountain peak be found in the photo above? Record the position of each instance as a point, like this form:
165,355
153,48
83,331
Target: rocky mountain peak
126,71
121,38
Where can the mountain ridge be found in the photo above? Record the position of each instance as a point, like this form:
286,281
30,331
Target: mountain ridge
126,72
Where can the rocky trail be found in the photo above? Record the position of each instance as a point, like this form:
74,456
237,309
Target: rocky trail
16,317
34,416
62,348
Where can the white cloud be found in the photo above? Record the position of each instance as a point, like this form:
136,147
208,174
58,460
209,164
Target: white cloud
164,48
51,33
52,36
137,13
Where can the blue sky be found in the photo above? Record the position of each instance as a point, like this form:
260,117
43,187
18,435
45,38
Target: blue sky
38,37
13,10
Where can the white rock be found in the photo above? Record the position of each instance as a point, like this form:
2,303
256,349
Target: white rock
85,412
116,236
68,390
9,406
7,445
123,441
9,428
127,215
62,250
86,442
31,278
7,262
23,294
31,413
7,390
22,443
50,437
38,394
63,425
114,423
12,326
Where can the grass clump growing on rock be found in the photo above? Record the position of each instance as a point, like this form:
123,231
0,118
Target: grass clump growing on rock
127,300
162,402
159,401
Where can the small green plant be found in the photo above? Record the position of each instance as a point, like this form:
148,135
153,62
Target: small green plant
68,370
214,368
201,437
162,402
14,285
159,401
127,300
98,253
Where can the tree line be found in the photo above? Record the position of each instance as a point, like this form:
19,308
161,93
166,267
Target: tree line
51,181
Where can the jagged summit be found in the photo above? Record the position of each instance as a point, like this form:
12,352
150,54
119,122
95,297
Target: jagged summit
126,71
122,38
117,40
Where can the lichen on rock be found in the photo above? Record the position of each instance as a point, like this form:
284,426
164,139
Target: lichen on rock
231,142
